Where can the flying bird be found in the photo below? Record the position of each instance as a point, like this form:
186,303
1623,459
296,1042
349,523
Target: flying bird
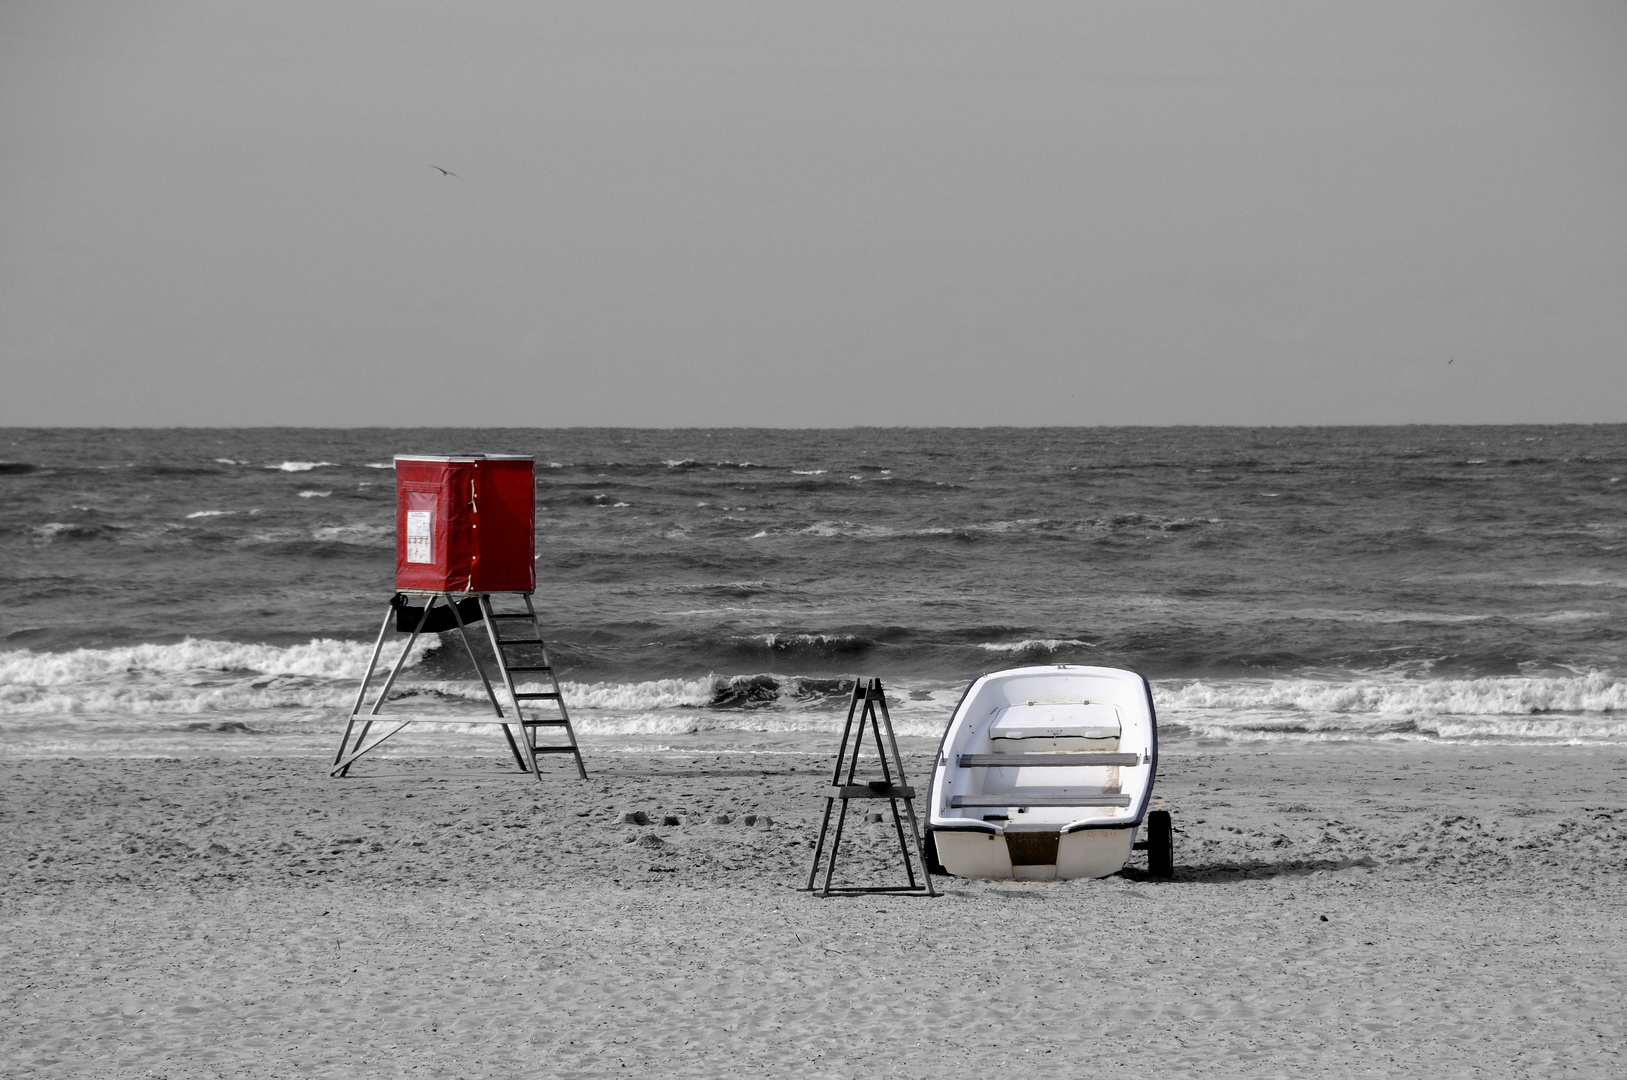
446,172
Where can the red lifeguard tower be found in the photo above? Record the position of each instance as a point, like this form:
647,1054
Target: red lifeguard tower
465,531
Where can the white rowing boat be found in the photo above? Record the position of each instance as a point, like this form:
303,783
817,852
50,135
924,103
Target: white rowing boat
1047,772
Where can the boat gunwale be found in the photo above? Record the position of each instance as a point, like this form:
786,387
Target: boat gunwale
941,762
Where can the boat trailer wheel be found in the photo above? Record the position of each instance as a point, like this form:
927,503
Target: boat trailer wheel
1160,845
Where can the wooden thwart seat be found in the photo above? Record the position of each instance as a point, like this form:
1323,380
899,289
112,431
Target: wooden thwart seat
1016,798
1044,761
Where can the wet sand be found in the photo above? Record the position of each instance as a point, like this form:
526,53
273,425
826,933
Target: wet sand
1455,911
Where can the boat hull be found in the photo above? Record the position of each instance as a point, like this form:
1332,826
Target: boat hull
1044,773
1090,853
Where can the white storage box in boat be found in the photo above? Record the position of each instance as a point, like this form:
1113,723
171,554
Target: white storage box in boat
1035,727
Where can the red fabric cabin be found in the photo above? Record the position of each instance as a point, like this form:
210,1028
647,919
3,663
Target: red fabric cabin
465,523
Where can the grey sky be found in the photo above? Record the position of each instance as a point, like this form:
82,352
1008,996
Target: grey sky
812,214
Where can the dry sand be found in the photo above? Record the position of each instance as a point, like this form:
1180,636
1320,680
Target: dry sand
1455,912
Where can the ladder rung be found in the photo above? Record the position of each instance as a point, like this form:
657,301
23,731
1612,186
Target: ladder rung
540,695
545,723
520,641
529,667
553,749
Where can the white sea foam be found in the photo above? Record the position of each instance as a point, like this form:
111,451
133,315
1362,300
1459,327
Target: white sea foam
380,465
699,586
209,513
798,722
315,494
1576,731
629,697
793,641
1594,692
1035,645
147,699
1569,616
846,529
303,466
356,533
1381,618
849,530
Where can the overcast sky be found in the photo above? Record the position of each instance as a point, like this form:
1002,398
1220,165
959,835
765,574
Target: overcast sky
812,214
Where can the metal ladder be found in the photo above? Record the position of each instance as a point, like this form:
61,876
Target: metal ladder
505,649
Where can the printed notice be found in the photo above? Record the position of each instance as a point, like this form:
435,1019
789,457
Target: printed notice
418,537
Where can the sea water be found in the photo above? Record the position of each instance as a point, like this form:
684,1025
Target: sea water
218,591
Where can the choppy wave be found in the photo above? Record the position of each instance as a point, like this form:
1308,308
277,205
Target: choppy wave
69,530
303,466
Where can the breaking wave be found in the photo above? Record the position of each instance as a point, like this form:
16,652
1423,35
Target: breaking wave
802,646
1582,709
1594,692
70,530
321,658
1035,646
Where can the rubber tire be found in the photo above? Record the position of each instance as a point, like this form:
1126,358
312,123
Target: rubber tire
1160,845
933,866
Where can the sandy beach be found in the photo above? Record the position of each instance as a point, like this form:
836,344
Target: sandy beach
1373,912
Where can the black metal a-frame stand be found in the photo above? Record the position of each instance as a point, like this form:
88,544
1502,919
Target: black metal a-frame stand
874,713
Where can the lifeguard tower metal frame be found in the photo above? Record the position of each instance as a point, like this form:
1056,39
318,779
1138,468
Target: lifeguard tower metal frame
460,609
